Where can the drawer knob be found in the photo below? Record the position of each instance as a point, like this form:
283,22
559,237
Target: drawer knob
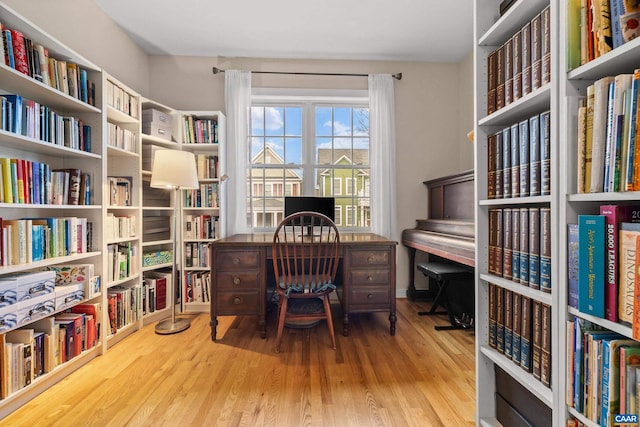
236,280
237,300
369,296
236,261
369,278
370,259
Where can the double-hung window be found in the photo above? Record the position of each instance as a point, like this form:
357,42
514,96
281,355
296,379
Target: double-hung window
309,145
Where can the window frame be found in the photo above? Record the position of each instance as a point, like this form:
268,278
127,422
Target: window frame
308,100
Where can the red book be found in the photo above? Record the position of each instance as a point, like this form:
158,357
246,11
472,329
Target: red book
161,293
76,331
95,310
20,52
614,215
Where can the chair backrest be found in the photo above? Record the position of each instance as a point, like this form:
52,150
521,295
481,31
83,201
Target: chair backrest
306,250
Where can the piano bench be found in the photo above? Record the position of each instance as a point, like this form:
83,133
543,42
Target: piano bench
443,274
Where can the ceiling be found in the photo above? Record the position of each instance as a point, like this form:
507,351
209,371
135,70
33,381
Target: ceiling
390,30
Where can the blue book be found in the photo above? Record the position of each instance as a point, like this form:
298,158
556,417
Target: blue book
16,123
9,53
535,167
591,264
523,134
515,161
84,91
35,171
616,10
545,153
572,260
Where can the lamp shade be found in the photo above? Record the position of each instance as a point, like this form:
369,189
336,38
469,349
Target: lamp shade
174,169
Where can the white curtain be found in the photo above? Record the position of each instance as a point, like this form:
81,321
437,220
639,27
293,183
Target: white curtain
237,97
383,155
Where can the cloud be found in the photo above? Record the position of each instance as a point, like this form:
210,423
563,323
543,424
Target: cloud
272,115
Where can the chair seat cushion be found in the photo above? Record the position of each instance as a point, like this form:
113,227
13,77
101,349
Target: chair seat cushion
310,287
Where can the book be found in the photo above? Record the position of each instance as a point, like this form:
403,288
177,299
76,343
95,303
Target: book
516,336
545,345
536,336
517,65
628,232
634,129
599,131
581,161
508,322
492,145
629,356
492,315
515,245
25,338
19,52
572,267
588,158
500,319
536,52
526,58
545,249
525,151
591,230
508,72
535,164
546,45
524,247
534,248
610,390
614,215
507,253
526,334
506,163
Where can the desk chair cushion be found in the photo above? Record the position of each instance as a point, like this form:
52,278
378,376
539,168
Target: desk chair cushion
307,287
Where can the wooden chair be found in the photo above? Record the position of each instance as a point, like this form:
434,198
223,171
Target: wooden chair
305,251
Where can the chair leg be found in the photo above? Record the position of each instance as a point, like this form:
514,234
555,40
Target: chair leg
282,312
327,312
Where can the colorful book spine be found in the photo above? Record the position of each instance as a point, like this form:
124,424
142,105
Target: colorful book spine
591,229
573,243
614,215
628,232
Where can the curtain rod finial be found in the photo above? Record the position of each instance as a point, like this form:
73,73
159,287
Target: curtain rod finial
217,70
397,76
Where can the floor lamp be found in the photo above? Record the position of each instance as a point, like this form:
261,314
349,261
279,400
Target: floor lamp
176,170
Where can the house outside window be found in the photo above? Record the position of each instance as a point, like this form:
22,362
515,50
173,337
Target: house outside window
312,146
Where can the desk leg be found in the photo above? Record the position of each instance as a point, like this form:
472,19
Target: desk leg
262,326
392,323
214,327
411,290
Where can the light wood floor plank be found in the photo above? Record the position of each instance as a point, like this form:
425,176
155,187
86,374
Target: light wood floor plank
420,377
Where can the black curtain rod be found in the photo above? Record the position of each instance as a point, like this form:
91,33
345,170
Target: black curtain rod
397,76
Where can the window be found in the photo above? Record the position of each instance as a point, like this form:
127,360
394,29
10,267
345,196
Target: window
309,145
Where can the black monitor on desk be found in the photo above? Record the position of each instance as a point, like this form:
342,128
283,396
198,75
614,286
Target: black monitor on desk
323,205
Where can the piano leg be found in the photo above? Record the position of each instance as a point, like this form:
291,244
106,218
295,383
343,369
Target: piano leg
412,293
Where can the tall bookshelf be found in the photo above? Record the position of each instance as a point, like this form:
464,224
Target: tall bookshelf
202,133
63,153
157,217
572,88
123,214
493,120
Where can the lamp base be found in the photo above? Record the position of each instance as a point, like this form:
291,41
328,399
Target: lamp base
166,327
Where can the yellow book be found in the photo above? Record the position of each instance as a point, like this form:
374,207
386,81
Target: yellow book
6,179
588,158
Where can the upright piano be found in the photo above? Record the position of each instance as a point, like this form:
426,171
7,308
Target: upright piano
448,232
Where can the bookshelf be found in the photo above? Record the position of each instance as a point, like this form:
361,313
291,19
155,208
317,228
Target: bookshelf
123,216
39,152
203,133
573,86
510,104
157,218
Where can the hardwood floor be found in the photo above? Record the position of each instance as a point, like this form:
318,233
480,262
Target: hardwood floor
419,377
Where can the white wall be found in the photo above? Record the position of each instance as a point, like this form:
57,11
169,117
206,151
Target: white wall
434,101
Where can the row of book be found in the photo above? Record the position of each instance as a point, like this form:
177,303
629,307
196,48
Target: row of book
603,372
120,99
520,328
521,65
30,182
196,254
596,27
197,285
122,138
155,285
520,246
33,351
120,227
29,240
207,166
199,131
519,159
120,190
204,197
32,59
121,261
602,261
201,227
34,120
608,135
123,306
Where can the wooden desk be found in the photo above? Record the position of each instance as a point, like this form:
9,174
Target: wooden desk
239,277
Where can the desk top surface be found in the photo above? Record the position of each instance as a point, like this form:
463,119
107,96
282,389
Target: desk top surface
266,239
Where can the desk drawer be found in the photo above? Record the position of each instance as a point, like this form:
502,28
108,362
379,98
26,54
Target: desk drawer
237,280
230,260
370,257
238,303
370,277
369,297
